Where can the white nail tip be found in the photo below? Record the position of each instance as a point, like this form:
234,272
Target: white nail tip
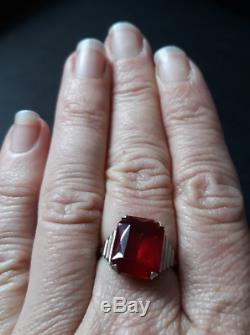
122,25
90,43
26,117
165,51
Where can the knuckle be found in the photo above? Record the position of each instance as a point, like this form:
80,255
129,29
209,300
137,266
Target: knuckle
212,196
16,190
17,200
86,113
132,81
186,112
134,174
14,262
135,89
72,198
184,106
178,102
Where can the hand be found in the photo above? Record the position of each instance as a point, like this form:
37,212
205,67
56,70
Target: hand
167,160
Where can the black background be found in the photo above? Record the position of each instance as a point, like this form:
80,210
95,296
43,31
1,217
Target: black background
35,40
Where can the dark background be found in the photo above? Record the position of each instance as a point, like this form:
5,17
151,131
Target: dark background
35,40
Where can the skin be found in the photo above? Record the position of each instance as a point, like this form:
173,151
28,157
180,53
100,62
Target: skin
144,139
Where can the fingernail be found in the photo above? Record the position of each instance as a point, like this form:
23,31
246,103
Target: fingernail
90,58
172,64
25,131
126,40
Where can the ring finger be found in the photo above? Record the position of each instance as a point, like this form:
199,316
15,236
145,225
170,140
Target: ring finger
138,175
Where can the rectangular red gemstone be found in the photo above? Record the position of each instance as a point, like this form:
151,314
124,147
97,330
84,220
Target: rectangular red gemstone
138,246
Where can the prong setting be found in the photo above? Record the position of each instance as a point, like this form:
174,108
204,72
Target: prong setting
153,275
126,237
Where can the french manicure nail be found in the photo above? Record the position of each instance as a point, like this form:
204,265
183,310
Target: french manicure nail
90,58
25,131
172,64
126,40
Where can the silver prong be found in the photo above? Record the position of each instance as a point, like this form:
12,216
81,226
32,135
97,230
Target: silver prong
111,245
105,249
167,257
153,275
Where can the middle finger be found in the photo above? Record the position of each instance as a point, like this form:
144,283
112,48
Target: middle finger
70,210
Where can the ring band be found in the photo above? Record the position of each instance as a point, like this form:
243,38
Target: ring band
139,247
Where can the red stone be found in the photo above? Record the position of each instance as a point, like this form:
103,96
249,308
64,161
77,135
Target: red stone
138,247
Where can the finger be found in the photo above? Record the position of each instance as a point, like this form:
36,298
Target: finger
70,209
22,162
213,237
138,176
